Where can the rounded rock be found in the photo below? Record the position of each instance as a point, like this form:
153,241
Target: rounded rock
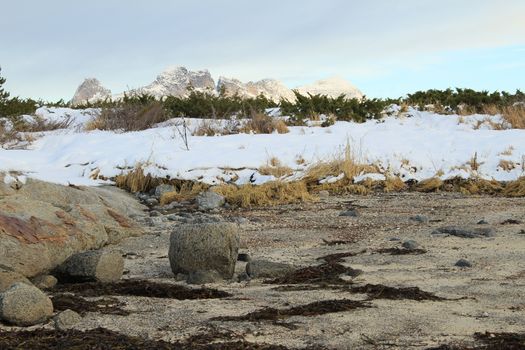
25,305
207,246
66,319
93,265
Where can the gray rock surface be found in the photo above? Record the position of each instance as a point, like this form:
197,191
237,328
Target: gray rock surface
94,265
66,319
420,218
25,305
42,224
209,200
267,269
211,246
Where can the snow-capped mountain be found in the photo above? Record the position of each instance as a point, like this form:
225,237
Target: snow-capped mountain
332,87
90,90
178,81
270,88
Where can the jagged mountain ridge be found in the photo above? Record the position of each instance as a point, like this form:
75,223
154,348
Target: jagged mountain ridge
177,81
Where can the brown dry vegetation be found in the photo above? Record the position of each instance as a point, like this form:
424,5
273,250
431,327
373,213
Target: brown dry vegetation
136,180
264,124
187,191
513,115
275,168
270,193
129,117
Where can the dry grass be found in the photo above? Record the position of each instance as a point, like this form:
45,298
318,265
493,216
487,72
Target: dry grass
513,115
275,168
515,188
187,190
473,163
207,128
506,165
136,180
429,185
129,117
270,193
264,124
394,184
348,164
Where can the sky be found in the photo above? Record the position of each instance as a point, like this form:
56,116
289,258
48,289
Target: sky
386,48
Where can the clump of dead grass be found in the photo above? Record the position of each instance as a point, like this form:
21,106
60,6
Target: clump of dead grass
136,180
349,164
429,185
394,184
515,188
263,124
514,116
129,117
267,194
275,168
186,190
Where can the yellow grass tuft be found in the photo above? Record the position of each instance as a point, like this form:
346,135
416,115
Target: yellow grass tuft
513,115
136,180
394,184
187,190
507,151
429,185
515,188
348,164
267,194
275,168
263,124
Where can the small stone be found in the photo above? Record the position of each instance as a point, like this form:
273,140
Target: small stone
154,213
66,319
209,200
394,239
483,222
420,218
243,277
349,213
154,221
45,281
203,277
152,202
8,278
410,244
465,232
463,263
25,305
245,257
93,265
267,269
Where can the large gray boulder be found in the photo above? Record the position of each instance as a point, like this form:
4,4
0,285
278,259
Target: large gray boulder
42,224
209,200
204,247
25,305
94,265
66,319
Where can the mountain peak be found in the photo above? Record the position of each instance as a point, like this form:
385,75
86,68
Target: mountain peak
90,90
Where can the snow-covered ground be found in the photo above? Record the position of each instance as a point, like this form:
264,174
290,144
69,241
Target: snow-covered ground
418,146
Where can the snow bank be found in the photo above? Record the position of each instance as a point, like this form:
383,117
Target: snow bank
415,147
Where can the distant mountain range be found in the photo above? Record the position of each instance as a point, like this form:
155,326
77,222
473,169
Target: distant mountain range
176,81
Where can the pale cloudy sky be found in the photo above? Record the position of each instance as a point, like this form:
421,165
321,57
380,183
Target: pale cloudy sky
385,47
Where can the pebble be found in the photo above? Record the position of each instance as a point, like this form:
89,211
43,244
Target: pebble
463,263
483,222
410,244
349,213
419,218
